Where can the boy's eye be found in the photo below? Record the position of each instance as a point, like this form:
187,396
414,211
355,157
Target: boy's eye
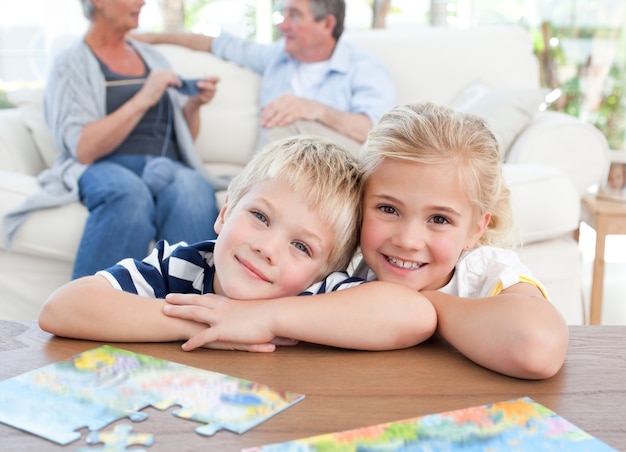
439,219
262,218
302,247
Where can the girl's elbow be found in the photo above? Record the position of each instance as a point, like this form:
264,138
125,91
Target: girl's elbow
543,353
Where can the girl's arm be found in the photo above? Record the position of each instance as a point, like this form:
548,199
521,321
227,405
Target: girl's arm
371,316
517,333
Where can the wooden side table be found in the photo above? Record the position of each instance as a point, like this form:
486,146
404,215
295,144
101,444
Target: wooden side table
605,217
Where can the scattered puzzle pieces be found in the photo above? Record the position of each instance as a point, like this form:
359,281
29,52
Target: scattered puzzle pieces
103,385
118,439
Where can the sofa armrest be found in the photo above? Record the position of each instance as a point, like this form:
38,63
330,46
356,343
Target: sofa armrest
18,151
557,139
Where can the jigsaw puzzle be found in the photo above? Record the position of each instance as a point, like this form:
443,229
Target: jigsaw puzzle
117,439
100,386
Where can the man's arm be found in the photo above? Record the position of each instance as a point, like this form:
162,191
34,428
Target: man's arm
287,109
517,333
194,41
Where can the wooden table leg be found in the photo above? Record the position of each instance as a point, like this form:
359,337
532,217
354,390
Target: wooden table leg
597,281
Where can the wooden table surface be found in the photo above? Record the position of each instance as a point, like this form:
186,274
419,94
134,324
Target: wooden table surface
347,389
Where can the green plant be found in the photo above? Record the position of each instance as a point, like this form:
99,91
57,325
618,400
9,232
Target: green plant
4,101
608,113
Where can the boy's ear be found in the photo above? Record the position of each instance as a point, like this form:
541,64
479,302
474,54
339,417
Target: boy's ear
221,217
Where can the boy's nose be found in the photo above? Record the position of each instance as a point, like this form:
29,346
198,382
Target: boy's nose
268,249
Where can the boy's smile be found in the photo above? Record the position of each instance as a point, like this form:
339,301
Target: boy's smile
416,222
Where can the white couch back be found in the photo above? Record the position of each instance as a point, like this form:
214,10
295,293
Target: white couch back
426,63
435,63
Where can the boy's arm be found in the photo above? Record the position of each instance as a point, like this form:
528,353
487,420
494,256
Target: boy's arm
371,316
90,308
517,333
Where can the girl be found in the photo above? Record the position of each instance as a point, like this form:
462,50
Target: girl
435,206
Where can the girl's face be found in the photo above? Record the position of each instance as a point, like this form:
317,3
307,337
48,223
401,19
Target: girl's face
416,222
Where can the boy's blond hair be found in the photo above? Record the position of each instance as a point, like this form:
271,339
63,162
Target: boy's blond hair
325,173
428,134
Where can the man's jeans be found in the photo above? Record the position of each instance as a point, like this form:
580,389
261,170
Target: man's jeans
125,218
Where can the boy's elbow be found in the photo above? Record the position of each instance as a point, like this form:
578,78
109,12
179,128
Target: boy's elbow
46,319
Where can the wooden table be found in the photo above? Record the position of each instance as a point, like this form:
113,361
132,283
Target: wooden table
348,389
605,217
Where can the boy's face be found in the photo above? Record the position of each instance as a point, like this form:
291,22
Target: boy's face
416,223
270,244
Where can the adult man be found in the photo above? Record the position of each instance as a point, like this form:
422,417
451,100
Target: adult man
312,82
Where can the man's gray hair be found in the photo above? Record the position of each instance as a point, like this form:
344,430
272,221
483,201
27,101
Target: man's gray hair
337,8
88,8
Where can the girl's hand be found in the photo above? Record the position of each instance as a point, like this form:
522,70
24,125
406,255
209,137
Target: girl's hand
234,324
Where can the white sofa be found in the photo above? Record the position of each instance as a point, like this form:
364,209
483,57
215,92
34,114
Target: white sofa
552,161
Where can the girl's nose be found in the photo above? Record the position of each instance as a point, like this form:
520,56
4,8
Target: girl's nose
409,235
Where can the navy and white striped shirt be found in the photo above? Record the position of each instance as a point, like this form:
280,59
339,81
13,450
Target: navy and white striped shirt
182,268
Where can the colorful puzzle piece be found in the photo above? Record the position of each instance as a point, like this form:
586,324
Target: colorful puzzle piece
103,385
118,439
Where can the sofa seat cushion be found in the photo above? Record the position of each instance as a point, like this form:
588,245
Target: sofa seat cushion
545,201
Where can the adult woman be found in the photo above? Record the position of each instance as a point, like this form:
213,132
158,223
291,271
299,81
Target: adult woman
128,139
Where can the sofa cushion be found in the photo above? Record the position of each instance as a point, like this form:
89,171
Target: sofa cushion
544,199
507,111
230,122
30,104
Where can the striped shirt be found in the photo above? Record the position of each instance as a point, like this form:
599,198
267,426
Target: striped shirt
182,268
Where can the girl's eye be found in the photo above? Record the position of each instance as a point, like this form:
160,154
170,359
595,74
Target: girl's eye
262,218
302,247
438,219
388,209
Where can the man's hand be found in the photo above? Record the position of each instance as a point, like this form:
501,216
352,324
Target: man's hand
233,324
287,109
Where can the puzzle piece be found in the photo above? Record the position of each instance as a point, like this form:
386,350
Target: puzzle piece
103,385
117,439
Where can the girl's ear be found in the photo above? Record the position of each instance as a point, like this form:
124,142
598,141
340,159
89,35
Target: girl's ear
221,217
481,227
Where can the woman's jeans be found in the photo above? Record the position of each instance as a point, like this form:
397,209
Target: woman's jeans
125,217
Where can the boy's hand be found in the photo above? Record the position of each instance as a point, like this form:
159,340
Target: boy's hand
234,324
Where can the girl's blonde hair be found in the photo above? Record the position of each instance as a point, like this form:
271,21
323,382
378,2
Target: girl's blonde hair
429,134
325,173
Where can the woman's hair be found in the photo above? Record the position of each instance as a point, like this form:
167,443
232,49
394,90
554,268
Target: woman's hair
336,8
431,134
88,8
328,177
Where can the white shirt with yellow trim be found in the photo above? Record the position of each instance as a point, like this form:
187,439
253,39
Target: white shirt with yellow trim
486,271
